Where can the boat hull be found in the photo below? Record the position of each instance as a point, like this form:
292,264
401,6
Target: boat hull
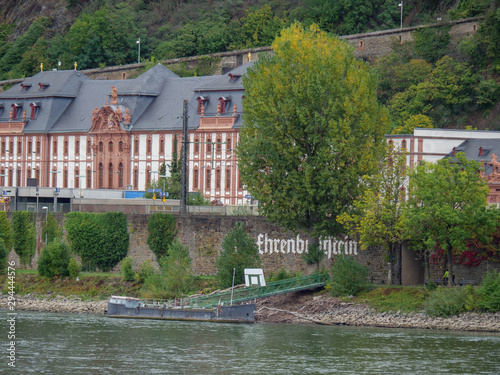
230,314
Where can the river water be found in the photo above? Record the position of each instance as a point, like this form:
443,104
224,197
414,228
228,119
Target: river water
48,343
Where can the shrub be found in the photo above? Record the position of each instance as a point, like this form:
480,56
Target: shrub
489,293
146,269
51,229
446,302
24,236
73,268
348,276
239,251
431,285
54,260
176,268
101,239
281,274
127,271
162,231
5,231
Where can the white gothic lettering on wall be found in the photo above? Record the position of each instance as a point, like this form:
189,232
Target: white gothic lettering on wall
330,245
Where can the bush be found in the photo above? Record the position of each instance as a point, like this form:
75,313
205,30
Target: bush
73,268
24,236
162,231
431,285
239,251
489,293
348,276
314,255
446,302
281,274
54,260
127,271
146,269
176,268
101,239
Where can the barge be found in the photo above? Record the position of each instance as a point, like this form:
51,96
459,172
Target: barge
129,307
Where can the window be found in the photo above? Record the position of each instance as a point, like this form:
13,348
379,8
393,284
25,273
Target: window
110,146
54,150
34,109
30,148
217,179
38,147
149,146
196,174
208,180
16,110
77,179
228,179
120,175
110,176
101,176
77,147
136,147
224,102
54,178
65,178
229,145
28,175
196,145
202,103
219,145
10,177
19,147
361,44
240,184
2,177
403,144
209,145
136,179
11,147
101,146
120,146
3,147
162,146
18,175
148,177
66,147
89,178
89,146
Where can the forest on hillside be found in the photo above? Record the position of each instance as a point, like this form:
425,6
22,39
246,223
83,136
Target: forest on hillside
419,83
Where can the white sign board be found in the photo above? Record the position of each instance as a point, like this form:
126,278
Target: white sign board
254,277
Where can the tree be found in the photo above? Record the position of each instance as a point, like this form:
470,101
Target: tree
4,256
239,251
51,229
312,128
431,43
380,218
176,268
24,236
162,231
5,231
448,206
54,260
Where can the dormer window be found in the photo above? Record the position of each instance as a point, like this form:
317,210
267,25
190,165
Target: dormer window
202,102
25,86
43,85
233,77
35,106
224,102
16,110
481,151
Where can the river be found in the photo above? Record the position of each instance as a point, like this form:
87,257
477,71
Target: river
48,343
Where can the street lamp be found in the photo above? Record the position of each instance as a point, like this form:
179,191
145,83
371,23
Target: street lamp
46,211
164,176
56,189
139,50
80,191
401,6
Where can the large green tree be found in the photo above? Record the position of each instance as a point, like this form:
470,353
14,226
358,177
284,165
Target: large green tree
312,129
380,215
24,236
448,206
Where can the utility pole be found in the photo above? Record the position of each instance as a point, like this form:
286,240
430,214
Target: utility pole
184,158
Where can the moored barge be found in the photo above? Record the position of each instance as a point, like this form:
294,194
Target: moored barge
129,307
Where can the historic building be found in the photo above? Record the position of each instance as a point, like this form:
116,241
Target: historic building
63,129
434,144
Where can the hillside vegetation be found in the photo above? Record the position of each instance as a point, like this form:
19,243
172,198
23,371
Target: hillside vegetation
420,84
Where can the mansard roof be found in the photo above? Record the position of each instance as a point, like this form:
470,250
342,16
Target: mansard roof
479,150
227,82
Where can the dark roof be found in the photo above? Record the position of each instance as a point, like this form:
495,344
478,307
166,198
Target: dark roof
473,148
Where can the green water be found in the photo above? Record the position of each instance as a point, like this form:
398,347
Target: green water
86,344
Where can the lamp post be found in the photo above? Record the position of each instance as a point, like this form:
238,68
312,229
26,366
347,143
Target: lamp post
164,176
46,211
401,6
154,192
139,50
80,176
56,190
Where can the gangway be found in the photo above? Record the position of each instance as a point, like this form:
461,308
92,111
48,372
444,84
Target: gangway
253,292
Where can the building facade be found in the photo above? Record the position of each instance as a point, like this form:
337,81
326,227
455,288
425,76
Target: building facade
61,129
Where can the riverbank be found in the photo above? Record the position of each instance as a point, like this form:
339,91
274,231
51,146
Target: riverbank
298,307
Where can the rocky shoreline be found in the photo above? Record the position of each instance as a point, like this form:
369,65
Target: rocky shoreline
296,307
